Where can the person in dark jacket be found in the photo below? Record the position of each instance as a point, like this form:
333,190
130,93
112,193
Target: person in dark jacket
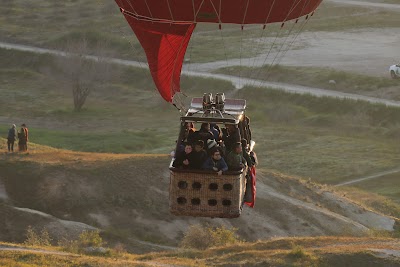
235,159
246,154
184,158
215,131
11,138
188,135
203,134
199,155
230,137
216,163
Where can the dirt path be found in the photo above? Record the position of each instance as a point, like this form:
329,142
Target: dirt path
368,4
377,175
237,81
35,250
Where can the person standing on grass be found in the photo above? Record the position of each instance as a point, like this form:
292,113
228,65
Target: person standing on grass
26,136
12,136
21,140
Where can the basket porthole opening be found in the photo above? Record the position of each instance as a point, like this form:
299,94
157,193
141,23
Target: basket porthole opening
195,201
227,187
226,202
196,186
182,185
213,187
181,200
212,202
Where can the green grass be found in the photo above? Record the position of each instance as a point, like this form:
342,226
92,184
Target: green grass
385,185
123,141
323,138
319,78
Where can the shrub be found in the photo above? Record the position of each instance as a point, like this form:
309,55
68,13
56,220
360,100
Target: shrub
87,239
90,239
203,237
37,239
297,252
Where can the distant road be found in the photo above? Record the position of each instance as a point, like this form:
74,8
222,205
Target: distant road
377,175
238,82
368,4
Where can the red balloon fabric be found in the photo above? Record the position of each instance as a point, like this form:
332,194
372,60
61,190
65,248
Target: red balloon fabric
164,27
165,46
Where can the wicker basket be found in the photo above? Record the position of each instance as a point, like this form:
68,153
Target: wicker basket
205,194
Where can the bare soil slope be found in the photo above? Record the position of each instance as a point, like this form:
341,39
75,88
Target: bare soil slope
127,197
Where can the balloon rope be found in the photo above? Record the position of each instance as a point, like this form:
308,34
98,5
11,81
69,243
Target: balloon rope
258,44
294,5
241,42
170,11
280,53
151,15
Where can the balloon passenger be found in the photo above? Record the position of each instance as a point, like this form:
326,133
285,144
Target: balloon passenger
203,134
216,163
235,159
215,131
212,144
184,158
189,131
199,155
230,136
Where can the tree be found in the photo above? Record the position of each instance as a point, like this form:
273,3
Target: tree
81,71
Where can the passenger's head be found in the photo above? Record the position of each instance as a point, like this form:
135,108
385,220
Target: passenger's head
211,143
216,154
189,125
205,126
23,125
188,148
198,145
14,126
238,147
231,127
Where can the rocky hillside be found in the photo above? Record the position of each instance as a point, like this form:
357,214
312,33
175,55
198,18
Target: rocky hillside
126,196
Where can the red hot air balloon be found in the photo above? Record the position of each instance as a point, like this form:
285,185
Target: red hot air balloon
164,27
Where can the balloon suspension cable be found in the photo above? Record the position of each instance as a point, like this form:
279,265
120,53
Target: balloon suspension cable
281,50
308,17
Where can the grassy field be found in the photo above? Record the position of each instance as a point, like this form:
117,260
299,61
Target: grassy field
275,252
383,186
325,139
347,82
101,21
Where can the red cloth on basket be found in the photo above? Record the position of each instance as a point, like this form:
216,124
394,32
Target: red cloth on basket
253,188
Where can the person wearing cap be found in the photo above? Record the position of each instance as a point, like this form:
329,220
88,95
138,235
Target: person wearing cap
214,129
212,144
11,138
235,159
199,155
215,162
